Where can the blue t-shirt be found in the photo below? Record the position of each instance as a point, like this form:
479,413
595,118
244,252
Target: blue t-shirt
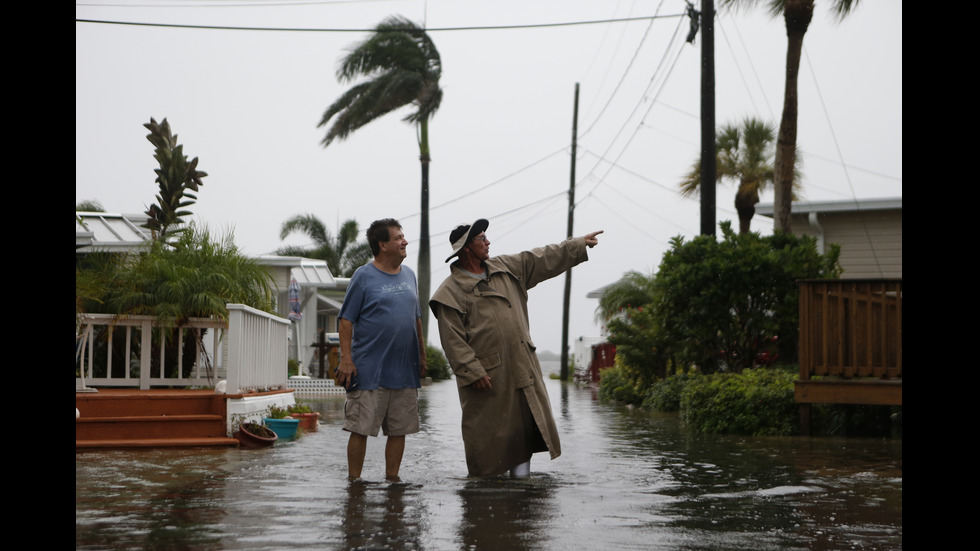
383,309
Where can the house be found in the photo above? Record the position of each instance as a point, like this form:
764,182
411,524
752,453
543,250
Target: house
252,346
868,231
321,294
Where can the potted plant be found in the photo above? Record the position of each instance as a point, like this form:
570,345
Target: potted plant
278,420
309,420
253,435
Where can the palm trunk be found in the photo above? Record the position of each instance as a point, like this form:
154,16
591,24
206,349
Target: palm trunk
745,206
424,250
797,14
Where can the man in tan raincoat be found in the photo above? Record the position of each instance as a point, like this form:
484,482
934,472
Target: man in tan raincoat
483,325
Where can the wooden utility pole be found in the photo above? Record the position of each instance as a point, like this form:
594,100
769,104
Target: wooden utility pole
709,158
568,274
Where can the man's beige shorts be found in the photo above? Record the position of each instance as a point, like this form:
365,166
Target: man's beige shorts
396,412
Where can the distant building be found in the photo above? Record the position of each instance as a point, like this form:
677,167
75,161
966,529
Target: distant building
869,233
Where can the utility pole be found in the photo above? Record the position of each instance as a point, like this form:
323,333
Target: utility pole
568,274
709,158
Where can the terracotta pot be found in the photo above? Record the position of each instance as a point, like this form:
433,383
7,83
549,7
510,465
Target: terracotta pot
254,435
309,422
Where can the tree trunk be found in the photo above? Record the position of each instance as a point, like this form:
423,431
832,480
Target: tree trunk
797,14
424,264
745,207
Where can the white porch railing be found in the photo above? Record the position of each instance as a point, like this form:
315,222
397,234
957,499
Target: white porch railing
249,350
258,350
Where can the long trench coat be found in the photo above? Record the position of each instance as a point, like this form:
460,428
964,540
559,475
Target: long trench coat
483,326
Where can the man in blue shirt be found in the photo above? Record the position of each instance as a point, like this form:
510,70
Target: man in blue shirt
382,350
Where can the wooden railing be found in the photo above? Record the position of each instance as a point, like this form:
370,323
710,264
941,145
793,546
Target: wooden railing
850,341
249,350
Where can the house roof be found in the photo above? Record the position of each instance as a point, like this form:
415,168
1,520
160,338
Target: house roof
850,205
113,232
104,231
308,272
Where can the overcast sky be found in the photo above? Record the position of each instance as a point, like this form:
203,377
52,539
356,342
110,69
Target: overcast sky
247,104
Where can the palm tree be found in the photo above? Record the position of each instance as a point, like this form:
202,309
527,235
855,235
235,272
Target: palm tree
343,254
797,14
194,276
402,67
744,155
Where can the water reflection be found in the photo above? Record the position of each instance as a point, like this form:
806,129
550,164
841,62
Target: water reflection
500,513
627,479
376,516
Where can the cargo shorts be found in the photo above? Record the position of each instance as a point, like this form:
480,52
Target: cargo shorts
395,412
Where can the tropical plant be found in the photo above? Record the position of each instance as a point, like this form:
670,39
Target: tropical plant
402,67
176,178
715,304
89,205
196,276
797,15
744,155
343,254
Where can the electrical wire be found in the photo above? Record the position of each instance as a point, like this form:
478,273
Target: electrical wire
339,30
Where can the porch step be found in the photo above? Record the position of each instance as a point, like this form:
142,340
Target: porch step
120,418
156,443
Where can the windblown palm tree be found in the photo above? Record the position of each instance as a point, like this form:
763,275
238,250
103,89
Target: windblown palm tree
402,67
343,254
744,155
797,15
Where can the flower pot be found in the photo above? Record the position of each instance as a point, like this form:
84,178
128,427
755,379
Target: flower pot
284,428
254,435
309,422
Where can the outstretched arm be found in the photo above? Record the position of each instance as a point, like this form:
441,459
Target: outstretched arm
591,240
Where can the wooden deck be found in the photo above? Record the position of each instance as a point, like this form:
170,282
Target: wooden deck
850,343
132,418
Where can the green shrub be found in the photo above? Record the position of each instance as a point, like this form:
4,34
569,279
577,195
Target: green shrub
665,394
614,385
756,401
436,364
718,304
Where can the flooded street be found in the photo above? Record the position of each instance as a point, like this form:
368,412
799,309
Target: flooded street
627,479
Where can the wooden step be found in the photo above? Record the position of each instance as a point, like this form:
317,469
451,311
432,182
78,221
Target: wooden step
156,443
149,427
130,418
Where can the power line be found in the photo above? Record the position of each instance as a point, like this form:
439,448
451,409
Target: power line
623,77
338,30
635,108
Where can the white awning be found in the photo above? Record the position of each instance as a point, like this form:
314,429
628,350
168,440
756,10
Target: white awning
101,231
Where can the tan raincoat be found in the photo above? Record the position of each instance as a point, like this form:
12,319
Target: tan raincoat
483,326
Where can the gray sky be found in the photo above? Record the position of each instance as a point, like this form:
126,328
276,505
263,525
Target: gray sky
247,102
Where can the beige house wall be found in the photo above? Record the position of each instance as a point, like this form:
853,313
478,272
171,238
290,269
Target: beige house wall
870,241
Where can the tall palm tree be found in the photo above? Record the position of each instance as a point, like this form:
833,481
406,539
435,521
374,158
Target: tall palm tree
745,155
797,14
402,67
343,254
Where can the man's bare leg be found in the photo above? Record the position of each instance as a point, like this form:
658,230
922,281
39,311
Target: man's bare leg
356,449
394,449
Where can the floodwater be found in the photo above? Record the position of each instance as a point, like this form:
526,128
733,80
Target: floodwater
627,479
